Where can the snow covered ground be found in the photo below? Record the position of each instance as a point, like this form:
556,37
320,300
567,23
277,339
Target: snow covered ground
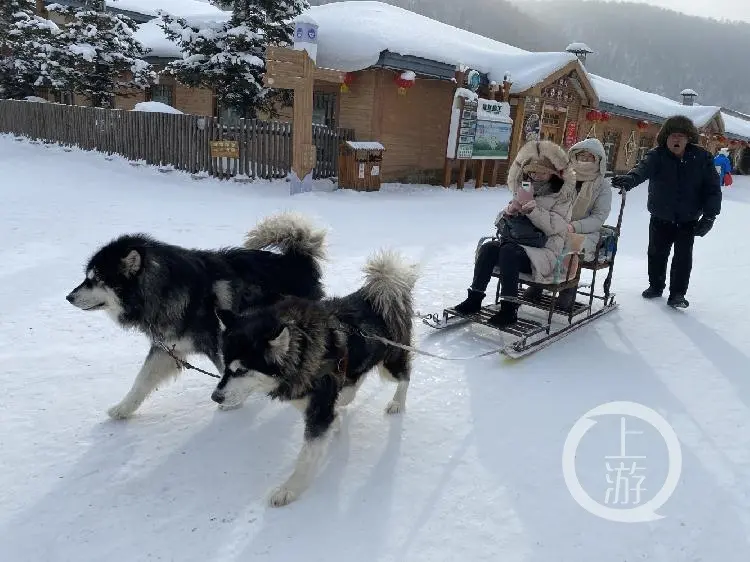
471,471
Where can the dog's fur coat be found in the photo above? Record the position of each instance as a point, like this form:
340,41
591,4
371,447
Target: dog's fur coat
312,354
171,293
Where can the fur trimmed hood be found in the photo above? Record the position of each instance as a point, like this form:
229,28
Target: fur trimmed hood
594,146
678,124
542,151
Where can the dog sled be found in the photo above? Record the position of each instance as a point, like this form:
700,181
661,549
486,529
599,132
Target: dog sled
531,333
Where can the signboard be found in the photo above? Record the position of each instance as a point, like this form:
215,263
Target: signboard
306,38
571,134
473,80
493,130
492,140
467,129
225,149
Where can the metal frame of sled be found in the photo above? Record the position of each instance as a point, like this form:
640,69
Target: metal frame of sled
579,314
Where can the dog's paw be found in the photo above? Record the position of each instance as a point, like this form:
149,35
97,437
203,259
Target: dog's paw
282,496
228,407
120,411
394,407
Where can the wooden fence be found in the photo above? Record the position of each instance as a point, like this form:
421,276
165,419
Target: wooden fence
167,140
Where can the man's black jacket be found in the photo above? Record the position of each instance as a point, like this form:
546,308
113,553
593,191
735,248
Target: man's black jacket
680,190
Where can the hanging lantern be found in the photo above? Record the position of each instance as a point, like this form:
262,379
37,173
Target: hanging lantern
594,115
605,116
404,81
643,125
348,81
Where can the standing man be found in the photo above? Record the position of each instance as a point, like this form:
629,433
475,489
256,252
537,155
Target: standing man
684,198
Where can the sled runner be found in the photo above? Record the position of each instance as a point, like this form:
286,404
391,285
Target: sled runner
531,333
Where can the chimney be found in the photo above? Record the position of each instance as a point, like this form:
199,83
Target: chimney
580,50
688,96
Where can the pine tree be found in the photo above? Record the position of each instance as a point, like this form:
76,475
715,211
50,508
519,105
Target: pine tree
29,49
102,54
229,57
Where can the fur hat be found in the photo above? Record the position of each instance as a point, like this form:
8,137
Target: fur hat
678,124
541,155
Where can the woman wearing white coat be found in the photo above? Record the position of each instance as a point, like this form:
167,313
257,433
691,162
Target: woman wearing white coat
591,206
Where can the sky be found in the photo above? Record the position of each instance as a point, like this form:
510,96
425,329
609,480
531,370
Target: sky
719,9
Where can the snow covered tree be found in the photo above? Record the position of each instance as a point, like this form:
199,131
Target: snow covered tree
229,57
101,54
29,50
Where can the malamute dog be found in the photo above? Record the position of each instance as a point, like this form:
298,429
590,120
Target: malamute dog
171,293
313,354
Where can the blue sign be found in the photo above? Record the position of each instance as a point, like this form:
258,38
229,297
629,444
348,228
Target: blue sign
473,80
306,32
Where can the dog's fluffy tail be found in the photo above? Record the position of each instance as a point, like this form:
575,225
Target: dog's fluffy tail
291,233
389,284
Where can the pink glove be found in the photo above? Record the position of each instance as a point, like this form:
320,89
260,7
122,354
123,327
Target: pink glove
528,207
513,207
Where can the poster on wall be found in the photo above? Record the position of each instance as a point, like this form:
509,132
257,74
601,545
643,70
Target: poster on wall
571,134
532,127
463,125
493,130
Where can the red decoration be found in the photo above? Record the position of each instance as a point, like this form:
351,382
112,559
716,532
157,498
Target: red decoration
605,116
594,115
348,81
643,125
403,83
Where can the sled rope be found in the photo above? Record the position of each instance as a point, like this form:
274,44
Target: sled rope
427,353
181,363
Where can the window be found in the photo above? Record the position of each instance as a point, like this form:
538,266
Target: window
611,143
646,143
65,97
324,109
163,93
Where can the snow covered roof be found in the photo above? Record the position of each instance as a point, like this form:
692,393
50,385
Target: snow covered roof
179,8
735,126
578,47
352,35
616,93
688,92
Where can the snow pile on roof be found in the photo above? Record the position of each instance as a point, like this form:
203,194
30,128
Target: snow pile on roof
179,8
155,107
152,37
578,47
626,96
351,36
736,126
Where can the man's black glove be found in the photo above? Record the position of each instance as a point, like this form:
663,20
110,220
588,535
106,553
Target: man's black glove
622,183
704,225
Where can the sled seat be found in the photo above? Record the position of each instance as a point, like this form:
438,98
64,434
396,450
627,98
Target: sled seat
570,278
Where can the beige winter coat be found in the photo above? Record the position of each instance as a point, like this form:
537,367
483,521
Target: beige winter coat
594,200
552,213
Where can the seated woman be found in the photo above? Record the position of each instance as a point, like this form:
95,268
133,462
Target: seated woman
591,207
546,165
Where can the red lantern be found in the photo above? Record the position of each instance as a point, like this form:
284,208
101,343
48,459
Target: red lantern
404,81
604,116
348,81
594,115
643,125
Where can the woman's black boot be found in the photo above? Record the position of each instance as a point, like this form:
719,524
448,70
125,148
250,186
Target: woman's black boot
472,304
507,316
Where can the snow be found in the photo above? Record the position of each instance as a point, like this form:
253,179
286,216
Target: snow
688,92
365,145
735,126
471,470
623,95
578,47
156,107
179,8
351,36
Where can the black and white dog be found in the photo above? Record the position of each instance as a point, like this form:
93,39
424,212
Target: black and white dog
315,355
171,293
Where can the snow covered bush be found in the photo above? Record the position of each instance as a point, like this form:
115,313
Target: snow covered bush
229,57
100,56
29,50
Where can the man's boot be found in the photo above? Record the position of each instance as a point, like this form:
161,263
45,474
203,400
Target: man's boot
567,298
677,301
652,293
472,304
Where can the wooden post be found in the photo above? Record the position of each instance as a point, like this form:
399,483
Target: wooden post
294,70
